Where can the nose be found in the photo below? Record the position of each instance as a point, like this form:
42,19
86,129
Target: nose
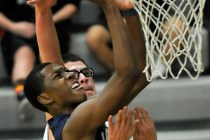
82,79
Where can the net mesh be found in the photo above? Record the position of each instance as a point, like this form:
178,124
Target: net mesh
172,30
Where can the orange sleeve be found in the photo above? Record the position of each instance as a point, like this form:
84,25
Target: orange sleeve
50,135
48,116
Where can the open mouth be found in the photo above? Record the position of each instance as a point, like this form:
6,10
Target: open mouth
76,85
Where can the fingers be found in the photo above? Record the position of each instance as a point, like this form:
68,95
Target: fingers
129,118
142,114
145,114
110,121
141,128
134,127
124,116
138,115
119,118
123,120
32,2
43,3
127,127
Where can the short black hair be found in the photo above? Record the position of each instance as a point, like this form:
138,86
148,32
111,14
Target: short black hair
72,57
34,86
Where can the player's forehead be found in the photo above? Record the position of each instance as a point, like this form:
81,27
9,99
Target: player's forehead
51,68
75,65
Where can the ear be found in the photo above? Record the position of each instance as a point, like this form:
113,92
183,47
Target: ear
44,99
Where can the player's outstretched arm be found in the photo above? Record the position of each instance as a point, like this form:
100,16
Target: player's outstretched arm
49,48
119,85
125,59
137,35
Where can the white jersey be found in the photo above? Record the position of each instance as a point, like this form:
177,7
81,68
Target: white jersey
45,137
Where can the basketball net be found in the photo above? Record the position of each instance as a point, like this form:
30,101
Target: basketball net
176,38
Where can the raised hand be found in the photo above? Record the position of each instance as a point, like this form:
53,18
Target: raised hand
42,3
146,128
123,129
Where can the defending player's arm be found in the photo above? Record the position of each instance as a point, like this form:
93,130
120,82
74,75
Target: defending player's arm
49,48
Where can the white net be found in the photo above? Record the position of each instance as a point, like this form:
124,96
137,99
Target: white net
172,30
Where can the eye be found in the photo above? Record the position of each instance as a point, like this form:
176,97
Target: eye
58,75
88,72
73,74
66,70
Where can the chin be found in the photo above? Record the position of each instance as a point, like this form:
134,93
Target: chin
82,98
83,94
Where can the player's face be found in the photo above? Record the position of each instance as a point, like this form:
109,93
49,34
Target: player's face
63,86
86,82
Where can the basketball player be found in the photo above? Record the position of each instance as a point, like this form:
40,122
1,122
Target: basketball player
71,98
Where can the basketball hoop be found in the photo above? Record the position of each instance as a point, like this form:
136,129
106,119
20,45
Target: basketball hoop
174,39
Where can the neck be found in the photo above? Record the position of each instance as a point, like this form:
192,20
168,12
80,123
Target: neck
58,111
